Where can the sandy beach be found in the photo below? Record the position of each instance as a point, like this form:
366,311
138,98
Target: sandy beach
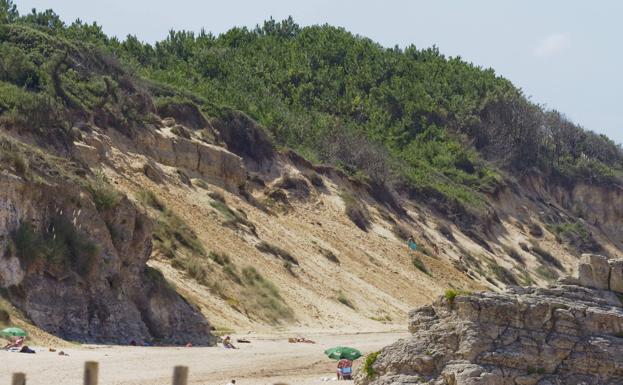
268,359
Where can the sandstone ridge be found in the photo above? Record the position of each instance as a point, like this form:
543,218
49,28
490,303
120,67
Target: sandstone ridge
568,333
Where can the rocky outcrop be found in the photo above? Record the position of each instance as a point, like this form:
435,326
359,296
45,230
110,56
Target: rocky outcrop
80,273
570,333
212,162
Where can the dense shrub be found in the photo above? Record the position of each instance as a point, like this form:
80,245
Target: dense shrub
368,365
356,211
410,118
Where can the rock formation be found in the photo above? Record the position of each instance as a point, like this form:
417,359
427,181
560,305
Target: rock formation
83,273
570,333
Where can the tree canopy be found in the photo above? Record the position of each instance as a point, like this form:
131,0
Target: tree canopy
409,117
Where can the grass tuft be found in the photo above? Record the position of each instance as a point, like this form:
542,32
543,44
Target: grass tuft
263,299
341,298
268,248
368,365
105,196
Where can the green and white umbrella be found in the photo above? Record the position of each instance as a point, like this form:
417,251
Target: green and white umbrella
13,332
339,352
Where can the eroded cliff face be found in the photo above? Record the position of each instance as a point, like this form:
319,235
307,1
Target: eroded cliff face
80,273
248,206
569,333
598,205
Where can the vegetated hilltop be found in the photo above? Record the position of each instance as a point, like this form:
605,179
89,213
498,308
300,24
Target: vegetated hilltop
278,173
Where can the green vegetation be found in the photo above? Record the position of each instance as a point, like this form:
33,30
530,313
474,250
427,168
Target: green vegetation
538,370
105,196
411,119
194,267
228,266
417,262
451,294
368,365
503,274
150,199
545,256
59,246
547,273
526,279
220,258
577,235
341,298
263,299
12,154
200,183
356,211
171,233
234,219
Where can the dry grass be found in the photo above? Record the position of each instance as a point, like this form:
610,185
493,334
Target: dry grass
330,255
262,298
277,251
235,219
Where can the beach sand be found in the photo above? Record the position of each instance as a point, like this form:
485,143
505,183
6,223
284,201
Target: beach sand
269,359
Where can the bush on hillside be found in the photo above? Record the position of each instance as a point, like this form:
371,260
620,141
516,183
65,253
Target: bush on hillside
262,298
105,196
356,211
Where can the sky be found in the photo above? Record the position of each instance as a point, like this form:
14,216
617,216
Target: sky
565,55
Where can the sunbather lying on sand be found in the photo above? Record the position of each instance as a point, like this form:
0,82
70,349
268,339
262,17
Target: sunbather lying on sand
300,340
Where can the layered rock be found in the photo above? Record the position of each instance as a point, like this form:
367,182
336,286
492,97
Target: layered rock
105,294
564,334
214,163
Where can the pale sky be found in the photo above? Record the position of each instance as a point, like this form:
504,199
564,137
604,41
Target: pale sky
565,54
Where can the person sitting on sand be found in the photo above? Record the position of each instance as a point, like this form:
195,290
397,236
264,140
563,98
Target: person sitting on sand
344,369
227,343
233,382
17,343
